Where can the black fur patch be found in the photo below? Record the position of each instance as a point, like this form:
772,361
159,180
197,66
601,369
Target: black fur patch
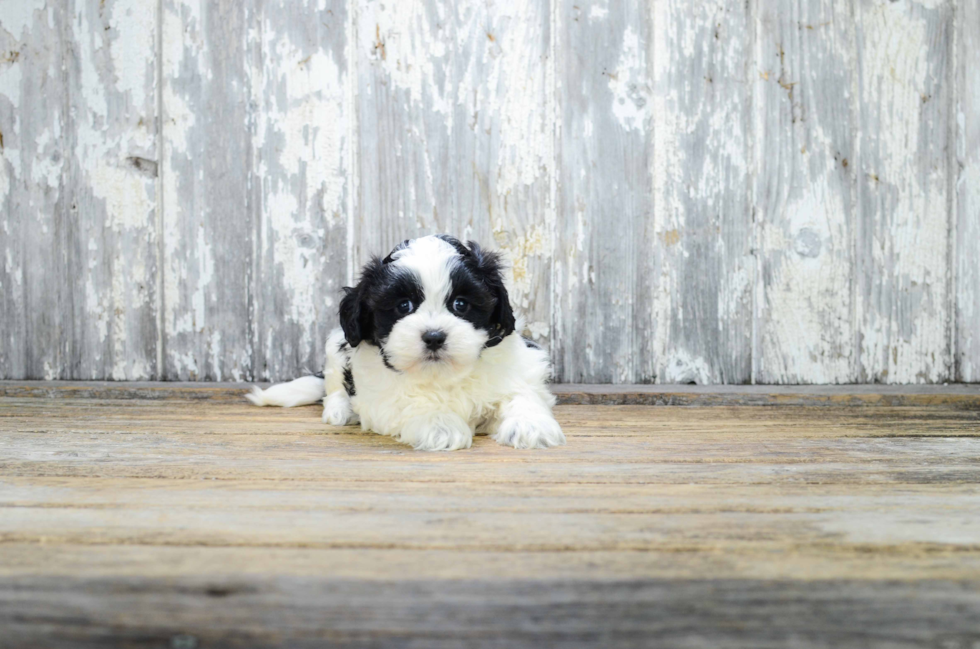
391,255
479,273
349,381
367,311
462,250
531,343
384,359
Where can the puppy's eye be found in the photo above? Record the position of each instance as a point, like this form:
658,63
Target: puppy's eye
460,305
405,307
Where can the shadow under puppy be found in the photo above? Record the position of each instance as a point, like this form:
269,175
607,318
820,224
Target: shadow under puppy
427,353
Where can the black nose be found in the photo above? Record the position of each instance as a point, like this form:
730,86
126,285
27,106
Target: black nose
434,339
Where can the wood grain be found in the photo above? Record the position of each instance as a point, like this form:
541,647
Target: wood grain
35,333
207,215
139,522
804,192
604,276
675,613
406,102
702,216
504,145
966,272
711,193
903,190
959,396
299,182
112,225
455,135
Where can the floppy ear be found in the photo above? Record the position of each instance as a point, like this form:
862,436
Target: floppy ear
502,319
355,315
350,316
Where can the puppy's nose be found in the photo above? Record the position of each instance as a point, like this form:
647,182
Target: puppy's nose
434,340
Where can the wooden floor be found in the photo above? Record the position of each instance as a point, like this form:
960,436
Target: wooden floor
208,523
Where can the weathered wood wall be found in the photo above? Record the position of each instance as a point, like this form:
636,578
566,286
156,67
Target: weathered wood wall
719,192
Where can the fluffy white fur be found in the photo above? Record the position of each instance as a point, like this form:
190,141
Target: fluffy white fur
503,393
433,404
302,391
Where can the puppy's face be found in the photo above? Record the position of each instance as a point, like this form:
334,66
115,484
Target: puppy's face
432,305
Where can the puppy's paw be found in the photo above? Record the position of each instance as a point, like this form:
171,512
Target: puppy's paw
337,410
442,432
530,431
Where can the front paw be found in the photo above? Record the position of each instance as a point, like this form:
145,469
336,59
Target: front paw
540,431
337,410
442,432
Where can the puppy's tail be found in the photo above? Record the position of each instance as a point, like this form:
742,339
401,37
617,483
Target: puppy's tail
301,392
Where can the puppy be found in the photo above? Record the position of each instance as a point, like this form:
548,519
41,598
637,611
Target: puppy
427,353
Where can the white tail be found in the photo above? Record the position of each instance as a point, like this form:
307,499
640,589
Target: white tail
300,392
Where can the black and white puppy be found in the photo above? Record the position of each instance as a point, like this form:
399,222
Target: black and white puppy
427,353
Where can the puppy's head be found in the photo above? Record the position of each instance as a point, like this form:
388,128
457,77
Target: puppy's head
432,304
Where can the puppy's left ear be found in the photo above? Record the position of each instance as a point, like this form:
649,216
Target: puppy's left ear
355,314
488,265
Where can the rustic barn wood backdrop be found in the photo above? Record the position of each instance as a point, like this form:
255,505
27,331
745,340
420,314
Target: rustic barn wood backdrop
770,191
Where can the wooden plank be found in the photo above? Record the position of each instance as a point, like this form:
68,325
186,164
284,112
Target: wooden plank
229,565
702,217
599,517
142,416
604,275
731,446
503,145
449,142
965,396
475,531
804,192
903,191
34,332
950,396
124,472
129,522
406,102
299,182
822,503
112,188
967,235
175,459
208,217
311,611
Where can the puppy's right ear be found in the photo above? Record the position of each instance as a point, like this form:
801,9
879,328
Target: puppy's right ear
350,316
355,314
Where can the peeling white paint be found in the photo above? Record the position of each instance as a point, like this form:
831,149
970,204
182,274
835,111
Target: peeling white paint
805,222
4,185
128,196
409,40
685,368
90,37
18,15
11,77
903,331
468,99
48,166
629,84
518,252
699,172
512,86
134,26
